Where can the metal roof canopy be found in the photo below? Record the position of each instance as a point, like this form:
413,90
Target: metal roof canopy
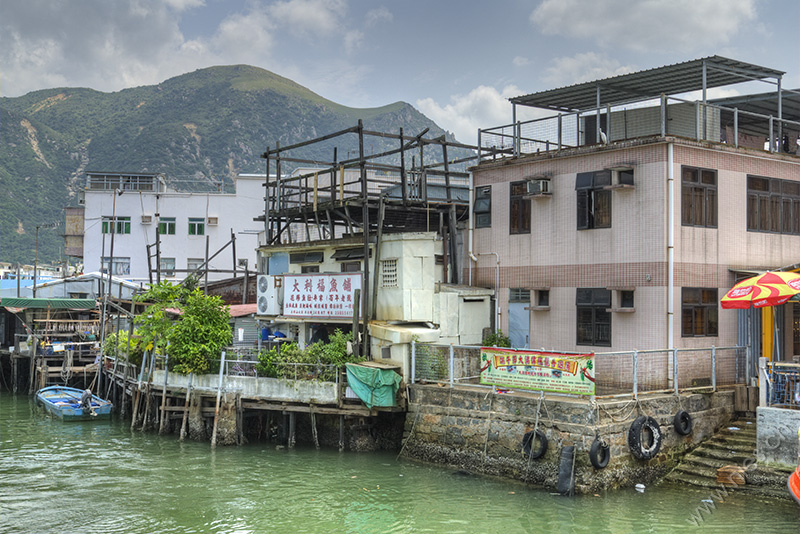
698,74
764,103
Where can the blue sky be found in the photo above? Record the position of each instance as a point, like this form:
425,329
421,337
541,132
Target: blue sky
456,61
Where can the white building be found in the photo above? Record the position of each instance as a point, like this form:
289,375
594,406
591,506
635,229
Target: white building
191,227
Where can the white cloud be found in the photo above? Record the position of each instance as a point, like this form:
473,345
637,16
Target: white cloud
583,68
483,107
111,45
676,25
375,16
520,61
353,40
241,38
183,5
309,17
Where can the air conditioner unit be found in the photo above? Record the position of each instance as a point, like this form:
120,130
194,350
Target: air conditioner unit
147,219
539,186
213,221
268,295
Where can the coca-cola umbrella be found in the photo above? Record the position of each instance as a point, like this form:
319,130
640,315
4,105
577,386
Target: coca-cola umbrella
772,288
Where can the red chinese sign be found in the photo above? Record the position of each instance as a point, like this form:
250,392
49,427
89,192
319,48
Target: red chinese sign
319,295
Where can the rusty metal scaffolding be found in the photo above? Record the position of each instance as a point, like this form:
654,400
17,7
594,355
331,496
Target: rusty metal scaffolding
416,186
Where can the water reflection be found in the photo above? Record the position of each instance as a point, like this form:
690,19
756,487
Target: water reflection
99,477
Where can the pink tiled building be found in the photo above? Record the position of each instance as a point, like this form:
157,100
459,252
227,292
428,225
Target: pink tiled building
620,221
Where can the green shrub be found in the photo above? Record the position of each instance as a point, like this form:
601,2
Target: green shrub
279,363
497,339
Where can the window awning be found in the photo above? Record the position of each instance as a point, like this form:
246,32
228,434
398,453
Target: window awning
306,257
350,254
43,304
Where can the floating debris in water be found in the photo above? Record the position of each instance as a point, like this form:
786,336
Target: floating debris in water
707,500
733,428
639,488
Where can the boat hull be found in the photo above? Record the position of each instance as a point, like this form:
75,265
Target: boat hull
64,403
794,484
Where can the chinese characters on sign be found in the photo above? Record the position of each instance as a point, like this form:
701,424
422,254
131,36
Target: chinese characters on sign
546,371
320,295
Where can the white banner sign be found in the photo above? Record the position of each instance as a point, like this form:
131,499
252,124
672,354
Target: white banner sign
320,295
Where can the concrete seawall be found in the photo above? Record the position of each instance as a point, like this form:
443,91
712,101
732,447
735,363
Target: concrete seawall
481,432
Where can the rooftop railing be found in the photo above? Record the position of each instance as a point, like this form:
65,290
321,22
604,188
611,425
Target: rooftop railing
667,116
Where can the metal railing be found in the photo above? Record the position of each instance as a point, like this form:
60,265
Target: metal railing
652,117
624,374
784,385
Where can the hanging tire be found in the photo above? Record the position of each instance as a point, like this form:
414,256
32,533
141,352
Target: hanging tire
683,423
529,446
644,437
599,453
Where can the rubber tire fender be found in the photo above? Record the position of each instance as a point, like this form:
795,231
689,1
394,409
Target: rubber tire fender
528,441
683,423
599,453
639,449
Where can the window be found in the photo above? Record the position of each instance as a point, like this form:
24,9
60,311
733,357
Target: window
699,312
309,269
166,225
197,226
120,266
483,207
543,298
389,273
168,266
594,320
519,294
773,205
351,267
519,209
626,299
118,225
625,177
192,264
594,199
698,197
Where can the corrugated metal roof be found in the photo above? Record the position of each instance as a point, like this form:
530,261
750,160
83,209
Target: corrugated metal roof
671,80
765,104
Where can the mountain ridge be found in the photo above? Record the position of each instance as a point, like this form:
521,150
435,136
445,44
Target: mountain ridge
207,125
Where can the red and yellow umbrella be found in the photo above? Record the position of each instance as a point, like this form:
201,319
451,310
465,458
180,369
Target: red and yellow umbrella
767,289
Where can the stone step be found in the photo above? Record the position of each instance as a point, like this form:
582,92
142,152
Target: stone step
727,456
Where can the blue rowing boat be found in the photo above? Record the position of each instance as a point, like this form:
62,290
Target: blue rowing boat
65,403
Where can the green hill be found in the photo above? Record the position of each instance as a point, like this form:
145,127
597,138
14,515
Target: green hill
205,126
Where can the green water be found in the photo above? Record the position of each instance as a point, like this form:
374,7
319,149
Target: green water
99,477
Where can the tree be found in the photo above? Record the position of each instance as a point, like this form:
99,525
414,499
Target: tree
198,334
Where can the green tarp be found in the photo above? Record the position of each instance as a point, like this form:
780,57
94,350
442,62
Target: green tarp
53,304
374,386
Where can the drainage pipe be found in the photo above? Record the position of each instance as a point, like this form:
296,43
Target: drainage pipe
670,246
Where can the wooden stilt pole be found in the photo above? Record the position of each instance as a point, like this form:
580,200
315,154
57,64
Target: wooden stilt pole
341,433
186,409
219,394
162,415
292,427
314,428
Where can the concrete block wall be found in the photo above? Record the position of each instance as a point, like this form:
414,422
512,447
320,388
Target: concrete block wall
482,432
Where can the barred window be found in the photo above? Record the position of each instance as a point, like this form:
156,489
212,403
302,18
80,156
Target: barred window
519,209
389,273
